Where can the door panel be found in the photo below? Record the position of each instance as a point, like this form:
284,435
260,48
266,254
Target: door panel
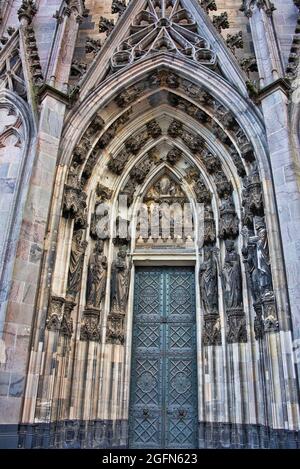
163,393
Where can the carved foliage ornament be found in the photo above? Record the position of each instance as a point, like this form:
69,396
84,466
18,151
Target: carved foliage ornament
33,56
28,10
163,25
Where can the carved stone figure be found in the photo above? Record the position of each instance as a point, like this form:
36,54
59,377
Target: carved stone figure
203,195
252,197
208,277
223,185
66,327
263,258
194,142
211,162
209,227
229,225
175,129
76,263
250,261
96,279
232,278
127,96
120,279
174,156
139,172
134,144
153,129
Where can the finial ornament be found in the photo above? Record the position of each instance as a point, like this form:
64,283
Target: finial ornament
27,10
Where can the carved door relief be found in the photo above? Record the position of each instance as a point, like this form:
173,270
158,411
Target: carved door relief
163,400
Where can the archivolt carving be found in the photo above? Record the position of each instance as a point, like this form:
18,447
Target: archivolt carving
194,142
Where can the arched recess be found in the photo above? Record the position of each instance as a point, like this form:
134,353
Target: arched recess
114,131
16,142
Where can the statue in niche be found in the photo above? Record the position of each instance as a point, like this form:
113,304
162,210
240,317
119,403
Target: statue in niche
76,263
208,276
120,279
263,257
256,254
250,261
96,279
232,278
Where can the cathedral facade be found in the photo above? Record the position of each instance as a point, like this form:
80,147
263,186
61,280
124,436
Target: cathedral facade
150,224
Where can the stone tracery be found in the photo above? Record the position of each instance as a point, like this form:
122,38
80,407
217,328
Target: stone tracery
163,26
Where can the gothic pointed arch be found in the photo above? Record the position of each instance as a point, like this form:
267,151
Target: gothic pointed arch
162,120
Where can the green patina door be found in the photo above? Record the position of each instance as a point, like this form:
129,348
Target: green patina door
163,393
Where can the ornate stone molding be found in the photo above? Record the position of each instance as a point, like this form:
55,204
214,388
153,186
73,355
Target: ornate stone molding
271,323
89,329
176,129
115,329
55,313
211,330
236,326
